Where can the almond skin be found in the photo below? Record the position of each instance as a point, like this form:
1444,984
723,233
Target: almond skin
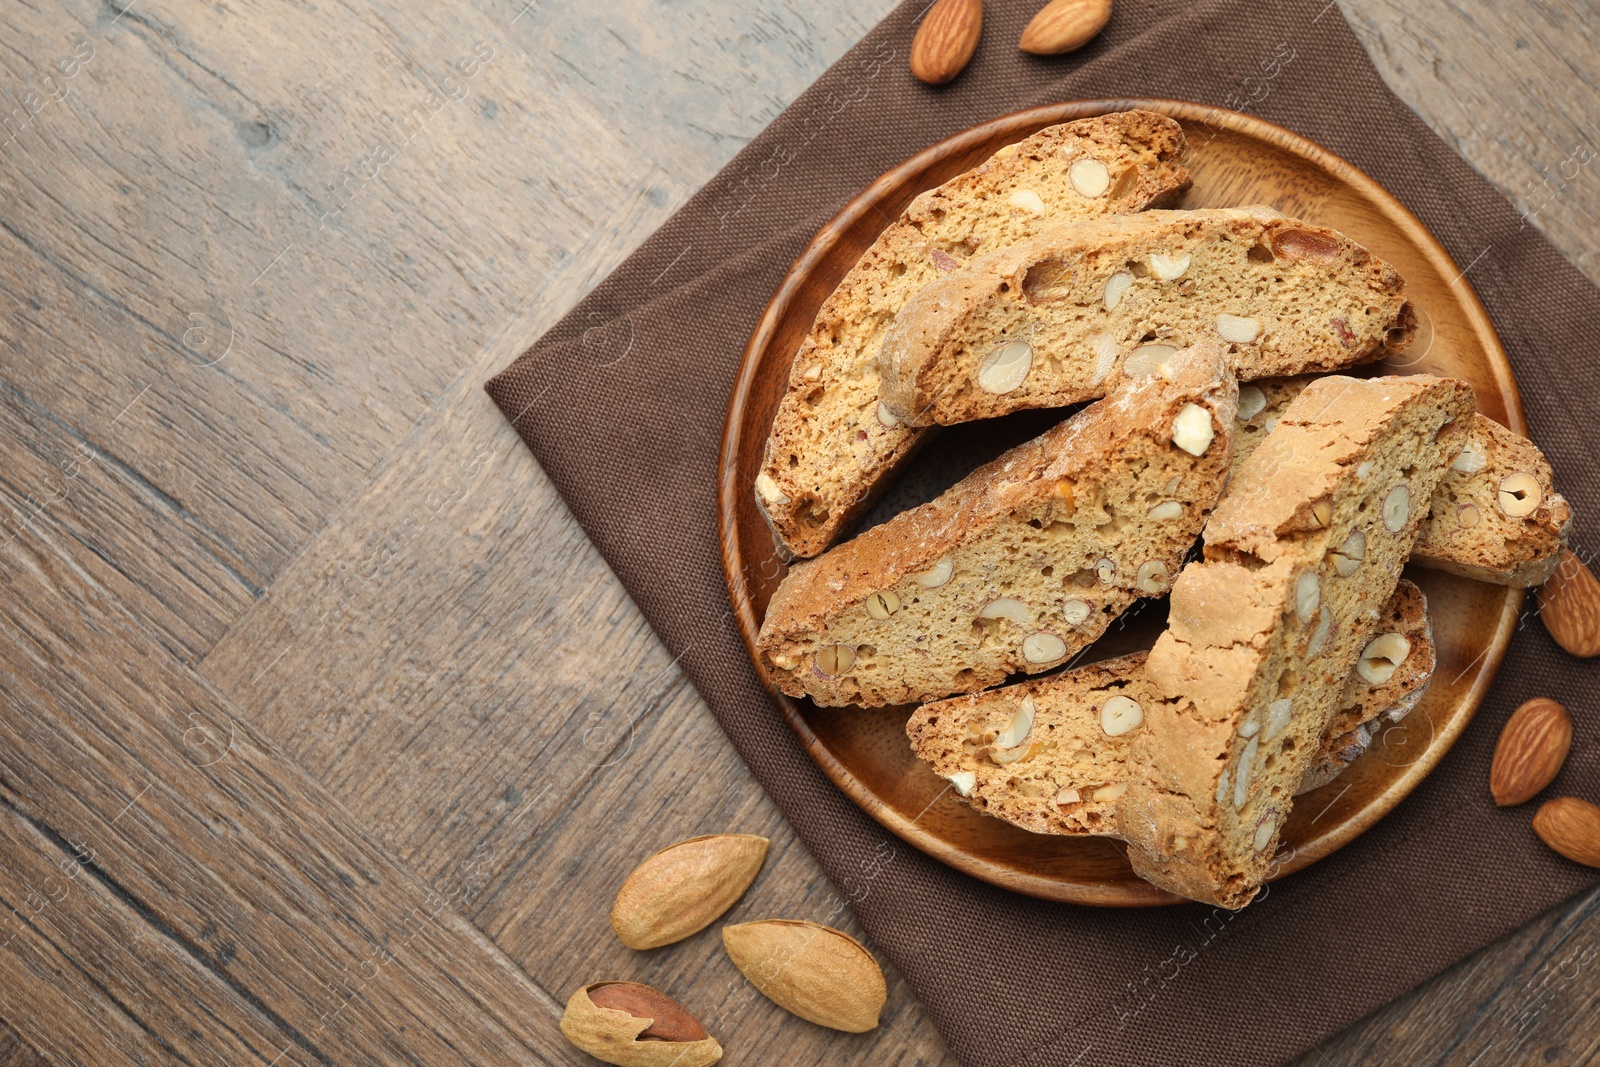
946,40
1571,827
1064,26
814,971
633,1025
1569,605
685,887
1530,752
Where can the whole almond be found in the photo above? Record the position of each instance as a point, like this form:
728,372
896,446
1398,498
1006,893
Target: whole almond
814,971
1571,827
1569,605
685,887
1065,25
633,1025
946,40
1532,747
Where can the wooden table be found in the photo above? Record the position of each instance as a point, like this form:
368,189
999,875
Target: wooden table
285,777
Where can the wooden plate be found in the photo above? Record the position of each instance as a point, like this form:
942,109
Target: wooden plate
1235,160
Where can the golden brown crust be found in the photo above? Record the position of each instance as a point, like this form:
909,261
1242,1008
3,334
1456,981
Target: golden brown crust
1259,633
1468,530
1063,774
1093,302
828,453
1055,538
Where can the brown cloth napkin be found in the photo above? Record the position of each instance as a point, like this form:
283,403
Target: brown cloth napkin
623,405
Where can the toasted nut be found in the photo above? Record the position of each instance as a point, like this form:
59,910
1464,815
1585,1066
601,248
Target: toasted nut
1468,515
1106,570
1569,605
685,887
963,782
1018,728
1520,495
1266,826
1004,756
1348,556
814,971
1319,636
1571,827
1304,244
1153,578
1076,611
1322,512
1237,329
886,417
1116,287
1089,177
1027,200
1224,784
946,40
1241,777
633,1025
1043,647
1067,795
1307,595
813,372
834,660
937,575
1249,728
1120,715
1169,268
1397,508
784,660
1532,747
1251,402
1469,460
1146,360
1167,509
1105,356
1063,26
882,604
1007,608
1107,793
1191,430
1382,657
1005,368
1279,712
768,488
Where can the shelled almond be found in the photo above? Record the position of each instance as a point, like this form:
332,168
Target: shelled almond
946,40
1569,605
1532,747
1064,26
1571,827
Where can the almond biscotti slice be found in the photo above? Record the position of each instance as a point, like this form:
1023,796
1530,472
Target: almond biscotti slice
1052,754
1301,554
1389,679
1496,517
1066,315
1023,562
832,446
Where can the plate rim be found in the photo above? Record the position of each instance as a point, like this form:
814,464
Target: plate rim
728,491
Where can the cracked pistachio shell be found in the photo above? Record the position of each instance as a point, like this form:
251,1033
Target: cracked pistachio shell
685,887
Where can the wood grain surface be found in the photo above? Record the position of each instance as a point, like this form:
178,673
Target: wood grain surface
269,791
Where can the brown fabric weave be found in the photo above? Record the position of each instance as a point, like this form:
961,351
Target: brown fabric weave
623,404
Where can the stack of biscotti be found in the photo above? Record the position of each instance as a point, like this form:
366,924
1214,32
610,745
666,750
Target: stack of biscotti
1496,517
1051,755
1301,552
1023,563
833,445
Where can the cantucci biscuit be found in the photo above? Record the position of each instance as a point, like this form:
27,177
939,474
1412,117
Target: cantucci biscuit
1496,517
1052,755
1066,315
832,445
1022,563
1301,554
